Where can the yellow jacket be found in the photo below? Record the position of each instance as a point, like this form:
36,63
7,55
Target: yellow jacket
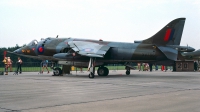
5,61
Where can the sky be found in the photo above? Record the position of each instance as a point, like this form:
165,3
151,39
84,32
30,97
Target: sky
21,21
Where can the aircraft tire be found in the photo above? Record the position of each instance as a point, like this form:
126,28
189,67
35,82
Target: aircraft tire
127,72
102,71
57,71
91,75
106,71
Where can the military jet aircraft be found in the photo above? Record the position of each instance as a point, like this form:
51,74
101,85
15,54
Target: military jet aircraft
161,48
191,55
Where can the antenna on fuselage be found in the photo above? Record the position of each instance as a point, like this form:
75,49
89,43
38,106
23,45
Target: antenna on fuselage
57,36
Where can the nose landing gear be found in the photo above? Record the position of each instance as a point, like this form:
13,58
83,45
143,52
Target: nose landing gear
128,70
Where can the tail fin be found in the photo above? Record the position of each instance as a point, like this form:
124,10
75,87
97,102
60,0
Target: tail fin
169,35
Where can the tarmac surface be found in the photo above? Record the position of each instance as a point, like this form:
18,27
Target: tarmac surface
155,91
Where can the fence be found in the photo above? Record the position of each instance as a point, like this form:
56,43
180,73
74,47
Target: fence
36,67
26,67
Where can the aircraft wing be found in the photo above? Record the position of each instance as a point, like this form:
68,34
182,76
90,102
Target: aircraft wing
89,49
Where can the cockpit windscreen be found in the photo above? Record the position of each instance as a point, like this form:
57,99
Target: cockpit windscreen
33,43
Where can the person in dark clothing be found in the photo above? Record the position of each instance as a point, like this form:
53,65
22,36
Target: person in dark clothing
195,66
19,66
150,66
174,67
156,67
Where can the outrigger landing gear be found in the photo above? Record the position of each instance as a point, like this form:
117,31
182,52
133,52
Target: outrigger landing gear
57,71
127,70
91,68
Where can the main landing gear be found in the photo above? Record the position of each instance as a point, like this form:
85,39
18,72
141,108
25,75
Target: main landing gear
103,71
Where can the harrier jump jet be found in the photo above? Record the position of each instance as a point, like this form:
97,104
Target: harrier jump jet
161,48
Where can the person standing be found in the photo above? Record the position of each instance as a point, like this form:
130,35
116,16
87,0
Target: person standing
5,61
139,66
81,70
156,67
166,68
162,67
143,66
150,67
10,64
44,65
195,66
19,65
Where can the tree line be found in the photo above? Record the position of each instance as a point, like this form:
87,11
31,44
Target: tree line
13,56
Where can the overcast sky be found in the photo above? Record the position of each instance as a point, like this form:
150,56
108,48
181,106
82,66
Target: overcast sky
111,20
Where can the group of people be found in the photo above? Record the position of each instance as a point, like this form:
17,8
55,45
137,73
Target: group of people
8,64
143,66
146,66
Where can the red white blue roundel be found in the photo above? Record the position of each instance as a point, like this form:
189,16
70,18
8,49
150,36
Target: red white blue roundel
40,49
87,50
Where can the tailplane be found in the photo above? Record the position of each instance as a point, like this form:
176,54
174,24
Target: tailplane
169,35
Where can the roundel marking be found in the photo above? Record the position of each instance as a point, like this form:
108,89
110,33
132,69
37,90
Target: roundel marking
41,49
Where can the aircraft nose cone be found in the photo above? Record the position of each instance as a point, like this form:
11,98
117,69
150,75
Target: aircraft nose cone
18,51
191,49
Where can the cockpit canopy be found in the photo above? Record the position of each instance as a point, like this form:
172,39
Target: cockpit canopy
33,43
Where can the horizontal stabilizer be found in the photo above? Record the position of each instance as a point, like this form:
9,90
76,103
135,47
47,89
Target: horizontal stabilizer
138,41
170,53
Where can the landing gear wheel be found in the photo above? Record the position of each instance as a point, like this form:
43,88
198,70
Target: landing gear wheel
107,71
91,75
57,71
103,71
127,72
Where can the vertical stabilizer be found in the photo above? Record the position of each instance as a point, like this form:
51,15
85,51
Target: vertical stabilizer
169,35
